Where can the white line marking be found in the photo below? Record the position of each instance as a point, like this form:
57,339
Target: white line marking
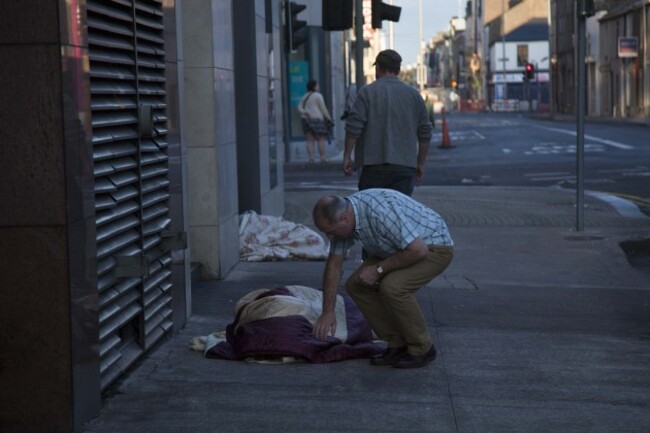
543,179
624,207
624,170
550,173
590,137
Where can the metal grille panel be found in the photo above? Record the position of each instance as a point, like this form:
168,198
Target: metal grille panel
127,73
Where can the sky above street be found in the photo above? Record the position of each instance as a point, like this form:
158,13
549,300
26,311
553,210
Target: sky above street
435,18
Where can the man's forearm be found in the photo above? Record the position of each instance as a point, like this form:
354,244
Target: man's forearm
331,282
350,142
423,149
413,253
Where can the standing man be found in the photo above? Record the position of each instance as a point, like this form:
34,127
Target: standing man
389,130
408,245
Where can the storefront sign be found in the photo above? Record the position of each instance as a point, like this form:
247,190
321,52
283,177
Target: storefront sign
498,77
368,31
628,46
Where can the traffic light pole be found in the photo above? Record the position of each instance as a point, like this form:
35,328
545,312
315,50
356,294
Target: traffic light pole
358,49
582,13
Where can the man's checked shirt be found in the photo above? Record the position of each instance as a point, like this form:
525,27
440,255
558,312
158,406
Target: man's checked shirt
388,221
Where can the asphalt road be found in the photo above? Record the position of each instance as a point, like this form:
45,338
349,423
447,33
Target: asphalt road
515,150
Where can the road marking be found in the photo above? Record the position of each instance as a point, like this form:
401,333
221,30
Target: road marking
546,179
590,137
622,203
496,124
548,148
549,176
550,173
460,135
638,171
625,170
634,198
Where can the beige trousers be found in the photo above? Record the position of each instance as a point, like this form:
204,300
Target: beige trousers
391,308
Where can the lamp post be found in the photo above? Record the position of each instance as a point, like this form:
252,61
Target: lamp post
585,9
358,29
420,66
391,35
539,94
503,49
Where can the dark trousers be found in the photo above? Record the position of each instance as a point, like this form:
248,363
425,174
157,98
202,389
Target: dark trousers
389,176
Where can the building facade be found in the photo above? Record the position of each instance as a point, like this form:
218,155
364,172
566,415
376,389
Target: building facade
134,133
617,58
623,61
516,34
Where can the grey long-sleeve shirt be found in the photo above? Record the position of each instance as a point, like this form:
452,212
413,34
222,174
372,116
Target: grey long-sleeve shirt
388,120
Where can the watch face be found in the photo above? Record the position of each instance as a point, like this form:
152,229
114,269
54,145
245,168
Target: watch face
380,270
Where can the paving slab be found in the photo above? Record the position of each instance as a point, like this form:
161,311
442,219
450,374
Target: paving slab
539,328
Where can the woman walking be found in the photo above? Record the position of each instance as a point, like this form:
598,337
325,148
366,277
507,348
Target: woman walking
316,120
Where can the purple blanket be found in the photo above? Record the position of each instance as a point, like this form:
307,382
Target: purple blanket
278,323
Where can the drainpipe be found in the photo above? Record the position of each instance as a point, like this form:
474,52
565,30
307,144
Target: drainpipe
358,59
646,62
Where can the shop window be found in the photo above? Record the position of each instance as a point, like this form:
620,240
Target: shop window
522,55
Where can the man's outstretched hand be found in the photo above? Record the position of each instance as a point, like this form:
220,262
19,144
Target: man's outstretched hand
325,325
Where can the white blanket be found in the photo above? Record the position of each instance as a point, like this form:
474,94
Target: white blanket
264,238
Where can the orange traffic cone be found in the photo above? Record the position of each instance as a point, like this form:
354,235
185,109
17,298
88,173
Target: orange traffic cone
446,141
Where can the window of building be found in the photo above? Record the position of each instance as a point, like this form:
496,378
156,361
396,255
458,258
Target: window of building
522,55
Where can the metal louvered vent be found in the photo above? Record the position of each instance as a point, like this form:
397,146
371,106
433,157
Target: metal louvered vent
127,80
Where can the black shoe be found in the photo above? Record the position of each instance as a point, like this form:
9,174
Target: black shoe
410,361
390,356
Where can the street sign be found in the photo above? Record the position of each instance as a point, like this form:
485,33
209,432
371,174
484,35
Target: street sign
516,77
368,31
628,46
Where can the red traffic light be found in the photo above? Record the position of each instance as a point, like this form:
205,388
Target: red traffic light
530,71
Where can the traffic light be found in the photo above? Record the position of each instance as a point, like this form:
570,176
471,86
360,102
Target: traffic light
295,32
337,14
381,11
529,71
586,8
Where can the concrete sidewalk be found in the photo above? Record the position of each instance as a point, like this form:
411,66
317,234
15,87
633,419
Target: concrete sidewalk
538,328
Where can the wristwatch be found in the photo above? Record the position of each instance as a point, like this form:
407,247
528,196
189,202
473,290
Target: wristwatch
380,270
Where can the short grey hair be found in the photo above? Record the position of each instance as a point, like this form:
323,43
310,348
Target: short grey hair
330,208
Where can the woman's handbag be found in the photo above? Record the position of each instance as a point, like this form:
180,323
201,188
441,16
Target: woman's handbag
305,119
